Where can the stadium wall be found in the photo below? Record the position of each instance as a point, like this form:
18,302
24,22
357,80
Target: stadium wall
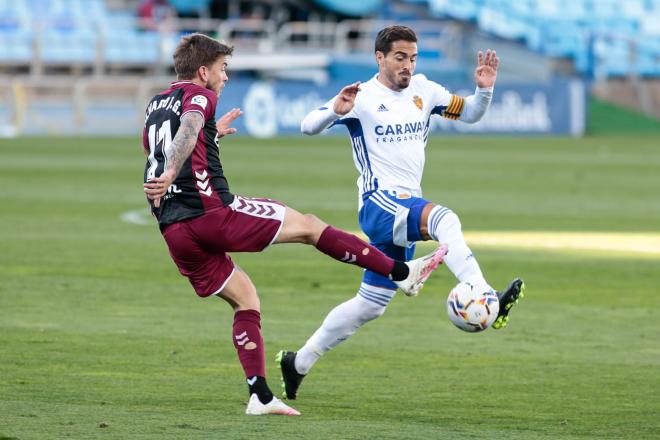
275,108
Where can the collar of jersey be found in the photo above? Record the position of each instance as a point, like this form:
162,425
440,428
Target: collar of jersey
385,88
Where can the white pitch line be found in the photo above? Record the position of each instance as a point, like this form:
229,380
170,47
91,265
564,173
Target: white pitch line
140,217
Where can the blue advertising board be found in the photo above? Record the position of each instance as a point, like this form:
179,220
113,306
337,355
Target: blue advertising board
277,108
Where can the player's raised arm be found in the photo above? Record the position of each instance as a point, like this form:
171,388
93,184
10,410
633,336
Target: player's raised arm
346,99
486,71
485,74
177,152
318,120
224,122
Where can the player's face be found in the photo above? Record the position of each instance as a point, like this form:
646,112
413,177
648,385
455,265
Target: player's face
397,67
216,75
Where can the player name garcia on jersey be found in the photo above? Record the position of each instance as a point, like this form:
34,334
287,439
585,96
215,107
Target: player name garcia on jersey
169,103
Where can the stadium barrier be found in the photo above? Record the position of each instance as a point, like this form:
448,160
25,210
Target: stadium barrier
270,108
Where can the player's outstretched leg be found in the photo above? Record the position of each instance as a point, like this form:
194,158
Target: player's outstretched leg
508,298
275,406
291,379
420,269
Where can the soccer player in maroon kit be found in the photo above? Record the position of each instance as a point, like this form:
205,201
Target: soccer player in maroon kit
201,220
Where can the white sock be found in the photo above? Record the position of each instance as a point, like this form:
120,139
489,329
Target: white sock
445,227
342,322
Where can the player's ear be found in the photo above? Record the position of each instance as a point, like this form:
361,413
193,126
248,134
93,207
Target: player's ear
380,56
202,72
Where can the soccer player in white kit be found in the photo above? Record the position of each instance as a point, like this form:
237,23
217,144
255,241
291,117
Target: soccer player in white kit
388,121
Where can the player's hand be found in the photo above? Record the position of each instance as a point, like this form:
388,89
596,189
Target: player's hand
156,188
486,72
223,124
346,99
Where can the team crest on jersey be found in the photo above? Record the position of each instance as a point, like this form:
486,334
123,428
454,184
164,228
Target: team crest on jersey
200,100
418,102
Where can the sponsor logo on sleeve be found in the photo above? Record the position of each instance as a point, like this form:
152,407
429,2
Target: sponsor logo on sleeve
200,100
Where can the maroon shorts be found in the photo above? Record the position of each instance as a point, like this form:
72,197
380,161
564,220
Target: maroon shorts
199,245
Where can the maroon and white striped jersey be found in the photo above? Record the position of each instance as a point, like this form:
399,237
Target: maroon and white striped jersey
201,184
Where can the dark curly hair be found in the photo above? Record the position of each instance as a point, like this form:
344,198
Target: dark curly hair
390,34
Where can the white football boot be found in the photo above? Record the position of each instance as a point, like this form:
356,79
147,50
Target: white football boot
420,270
275,406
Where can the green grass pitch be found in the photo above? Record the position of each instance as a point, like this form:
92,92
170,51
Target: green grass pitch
100,337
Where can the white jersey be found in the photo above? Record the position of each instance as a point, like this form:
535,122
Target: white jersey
389,131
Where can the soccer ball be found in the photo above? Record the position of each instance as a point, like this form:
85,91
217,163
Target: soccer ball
472,309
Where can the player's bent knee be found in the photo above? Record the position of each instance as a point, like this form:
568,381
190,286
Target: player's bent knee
447,227
240,292
241,302
373,312
452,220
370,310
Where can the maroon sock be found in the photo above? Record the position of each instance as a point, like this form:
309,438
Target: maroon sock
350,249
249,344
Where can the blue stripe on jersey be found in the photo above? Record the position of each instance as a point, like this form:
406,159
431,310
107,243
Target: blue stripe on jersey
383,198
437,110
359,144
357,154
382,205
359,150
427,129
